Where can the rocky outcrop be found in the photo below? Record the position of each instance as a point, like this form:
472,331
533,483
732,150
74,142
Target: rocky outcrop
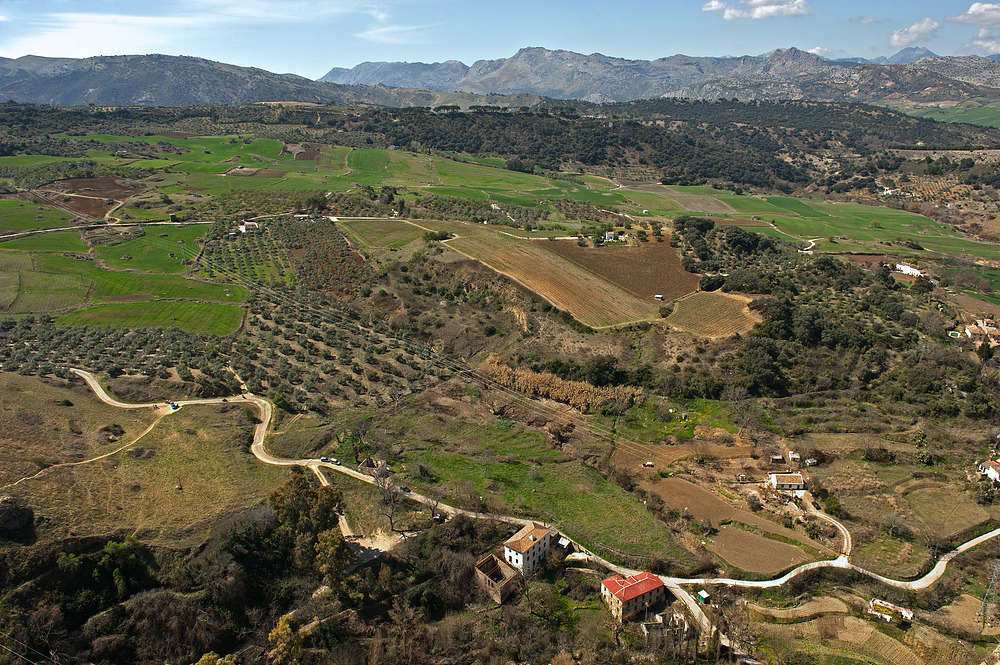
14,514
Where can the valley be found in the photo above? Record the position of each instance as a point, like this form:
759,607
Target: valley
635,360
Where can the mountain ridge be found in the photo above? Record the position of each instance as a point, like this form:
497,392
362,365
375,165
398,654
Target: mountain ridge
780,74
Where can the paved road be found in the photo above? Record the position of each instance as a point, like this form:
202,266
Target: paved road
675,584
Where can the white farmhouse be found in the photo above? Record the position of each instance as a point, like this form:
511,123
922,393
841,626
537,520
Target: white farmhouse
526,549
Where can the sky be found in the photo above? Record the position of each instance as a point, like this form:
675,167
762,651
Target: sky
309,37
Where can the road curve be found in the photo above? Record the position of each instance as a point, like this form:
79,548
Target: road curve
266,410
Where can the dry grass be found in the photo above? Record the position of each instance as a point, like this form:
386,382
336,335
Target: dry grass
197,449
713,314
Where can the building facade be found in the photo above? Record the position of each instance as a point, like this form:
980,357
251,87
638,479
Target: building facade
626,597
527,548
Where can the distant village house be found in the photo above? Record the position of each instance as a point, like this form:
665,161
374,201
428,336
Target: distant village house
991,469
786,482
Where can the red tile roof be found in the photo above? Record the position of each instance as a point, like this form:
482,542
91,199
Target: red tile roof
633,586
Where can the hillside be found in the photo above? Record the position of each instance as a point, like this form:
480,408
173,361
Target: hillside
163,80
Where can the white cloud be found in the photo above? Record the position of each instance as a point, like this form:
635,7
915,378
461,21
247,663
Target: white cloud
758,9
83,35
986,41
3,18
396,34
866,20
824,52
979,13
918,32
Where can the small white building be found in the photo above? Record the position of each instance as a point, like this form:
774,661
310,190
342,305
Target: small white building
794,456
786,482
910,270
527,548
991,469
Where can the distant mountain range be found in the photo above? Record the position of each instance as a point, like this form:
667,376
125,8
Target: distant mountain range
913,74
531,77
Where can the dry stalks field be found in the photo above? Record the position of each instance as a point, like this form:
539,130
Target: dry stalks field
713,314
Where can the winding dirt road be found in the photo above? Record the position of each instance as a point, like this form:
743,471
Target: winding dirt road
675,584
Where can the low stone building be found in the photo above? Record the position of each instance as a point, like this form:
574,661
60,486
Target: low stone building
497,578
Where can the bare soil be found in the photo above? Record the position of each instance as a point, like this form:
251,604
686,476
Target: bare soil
652,268
754,553
91,197
268,173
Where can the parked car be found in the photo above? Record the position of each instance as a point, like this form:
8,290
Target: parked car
404,489
324,459
816,506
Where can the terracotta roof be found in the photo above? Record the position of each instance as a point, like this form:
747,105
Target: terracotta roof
528,536
633,586
787,477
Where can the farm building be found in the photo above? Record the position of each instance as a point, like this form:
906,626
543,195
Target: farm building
885,610
627,596
496,577
786,482
984,330
991,469
526,548
793,456
912,271
777,459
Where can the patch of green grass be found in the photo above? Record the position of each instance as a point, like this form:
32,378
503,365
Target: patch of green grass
384,234
517,471
57,241
47,292
29,160
152,252
108,284
210,318
368,161
21,216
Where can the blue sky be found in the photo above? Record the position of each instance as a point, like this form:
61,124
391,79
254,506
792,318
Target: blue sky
308,37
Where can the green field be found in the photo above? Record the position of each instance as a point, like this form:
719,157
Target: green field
57,241
523,475
980,111
152,252
20,216
384,234
209,318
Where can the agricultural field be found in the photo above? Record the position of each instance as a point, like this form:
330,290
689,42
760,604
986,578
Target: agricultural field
712,314
162,249
590,299
652,268
984,112
21,216
209,318
382,233
57,241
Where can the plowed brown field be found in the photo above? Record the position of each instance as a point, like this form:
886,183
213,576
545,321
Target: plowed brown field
652,268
